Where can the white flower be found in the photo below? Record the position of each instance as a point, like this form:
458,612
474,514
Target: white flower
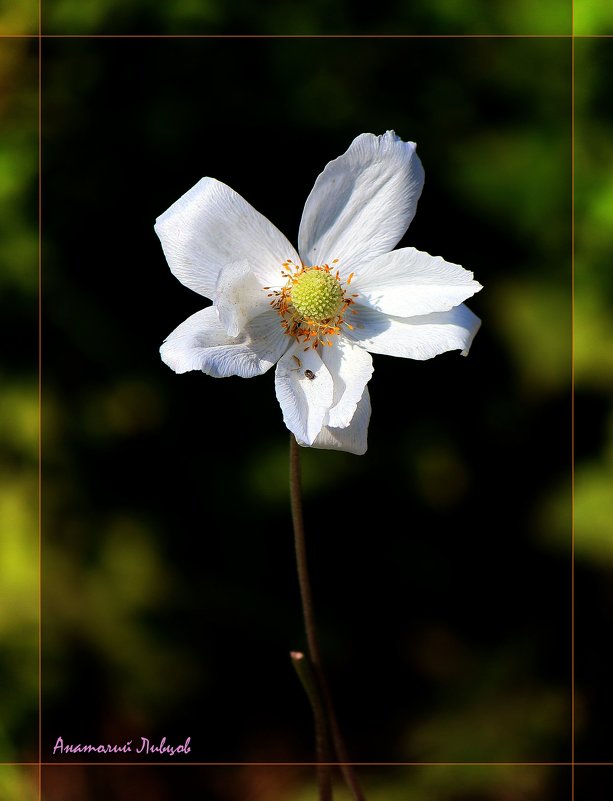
316,313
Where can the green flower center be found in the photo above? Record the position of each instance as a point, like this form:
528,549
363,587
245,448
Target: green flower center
316,295
312,303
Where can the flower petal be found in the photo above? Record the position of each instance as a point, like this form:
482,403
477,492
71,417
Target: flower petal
304,390
201,343
239,297
419,337
362,203
351,368
407,282
352,438
211,226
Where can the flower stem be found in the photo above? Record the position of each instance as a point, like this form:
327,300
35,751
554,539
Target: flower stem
305,673
301,557
320,697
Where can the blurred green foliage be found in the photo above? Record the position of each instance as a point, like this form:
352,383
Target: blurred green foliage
593,354
19,18
19,413
592,18
18,167
166,553
19,783
275,17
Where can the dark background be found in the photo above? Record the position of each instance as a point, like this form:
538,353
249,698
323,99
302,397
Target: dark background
170,581
441,558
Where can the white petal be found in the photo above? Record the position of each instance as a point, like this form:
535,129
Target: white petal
304,390
239,297
353,438
408,282
351,368
201,343
415,337
211,226
362,203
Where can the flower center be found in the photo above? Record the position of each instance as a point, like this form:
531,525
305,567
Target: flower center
316,295
312,303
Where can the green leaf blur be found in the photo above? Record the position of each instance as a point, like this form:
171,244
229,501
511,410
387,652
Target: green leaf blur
441,558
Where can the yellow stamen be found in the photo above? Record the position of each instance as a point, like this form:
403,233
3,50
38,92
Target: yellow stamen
312,303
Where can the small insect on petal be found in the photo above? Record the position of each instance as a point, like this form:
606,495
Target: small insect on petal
309,374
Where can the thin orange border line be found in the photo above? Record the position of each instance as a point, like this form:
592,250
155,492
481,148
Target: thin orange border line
307,36
40,36
303,36
40,409
102,764
572,402
300,36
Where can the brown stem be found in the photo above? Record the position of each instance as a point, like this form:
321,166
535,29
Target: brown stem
308,679
309,624
301,557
